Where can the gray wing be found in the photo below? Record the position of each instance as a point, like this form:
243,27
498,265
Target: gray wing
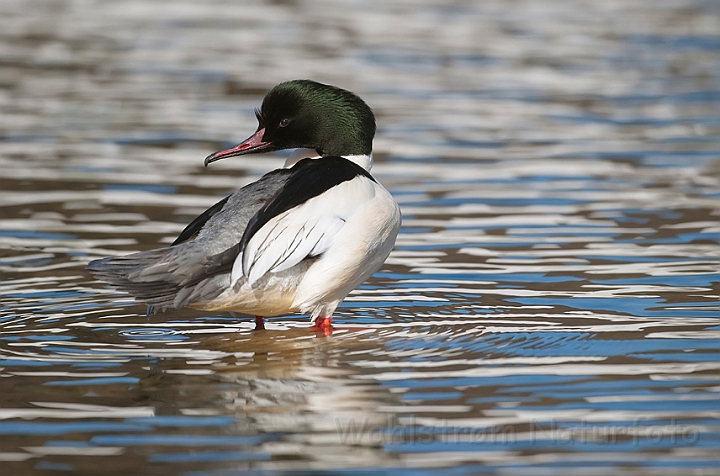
225,229
192,270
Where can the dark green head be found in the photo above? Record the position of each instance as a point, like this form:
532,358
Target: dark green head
307,114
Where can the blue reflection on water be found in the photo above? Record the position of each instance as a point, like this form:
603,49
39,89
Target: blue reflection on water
35,337
488,441
700,279
37,235
633,306
180,440
184,421
92,381
63,428
53,466
682,42
513,277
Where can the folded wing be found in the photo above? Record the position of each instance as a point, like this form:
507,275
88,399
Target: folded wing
303,220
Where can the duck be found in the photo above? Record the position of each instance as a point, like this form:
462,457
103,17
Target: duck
297,240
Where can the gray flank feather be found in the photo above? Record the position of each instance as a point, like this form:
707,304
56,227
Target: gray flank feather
196,270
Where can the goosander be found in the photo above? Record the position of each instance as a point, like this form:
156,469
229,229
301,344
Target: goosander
299,239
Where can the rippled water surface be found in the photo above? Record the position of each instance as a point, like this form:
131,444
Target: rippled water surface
551,306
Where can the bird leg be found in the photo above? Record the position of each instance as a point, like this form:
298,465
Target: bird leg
324,325
259,323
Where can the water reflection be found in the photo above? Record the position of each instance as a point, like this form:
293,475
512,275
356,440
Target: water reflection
552,302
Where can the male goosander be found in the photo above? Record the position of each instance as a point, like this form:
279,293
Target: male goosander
298,239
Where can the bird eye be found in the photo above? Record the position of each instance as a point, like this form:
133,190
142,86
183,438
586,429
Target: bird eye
284,123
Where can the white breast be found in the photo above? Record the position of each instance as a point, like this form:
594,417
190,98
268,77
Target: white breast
357,250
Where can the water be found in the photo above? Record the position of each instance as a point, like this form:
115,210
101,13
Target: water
552,303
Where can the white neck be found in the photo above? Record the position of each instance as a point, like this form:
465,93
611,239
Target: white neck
299,154
364,161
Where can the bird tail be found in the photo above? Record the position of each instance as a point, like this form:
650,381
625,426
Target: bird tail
147,276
